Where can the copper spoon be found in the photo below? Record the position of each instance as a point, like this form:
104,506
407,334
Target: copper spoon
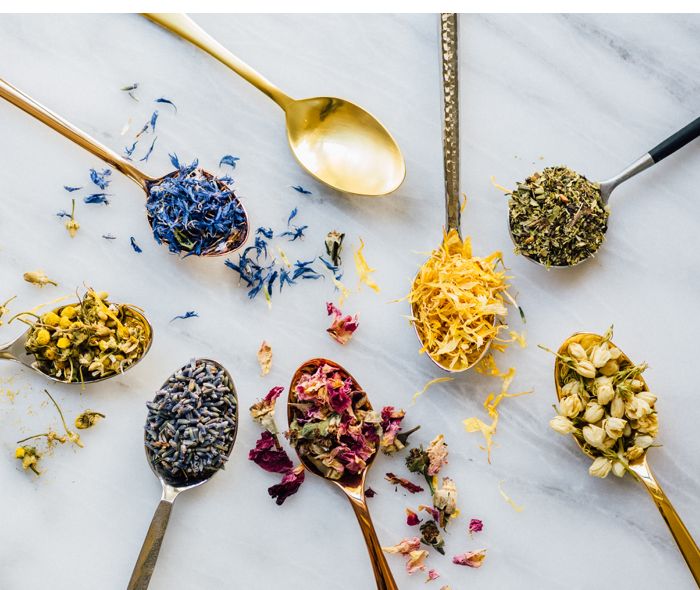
146,562
450,151
15,351
57,123
640,467
352,485
334,140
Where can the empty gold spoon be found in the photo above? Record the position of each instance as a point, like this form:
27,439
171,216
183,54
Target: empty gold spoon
334,140
640,467
352,485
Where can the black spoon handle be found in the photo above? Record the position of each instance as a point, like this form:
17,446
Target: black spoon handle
676,141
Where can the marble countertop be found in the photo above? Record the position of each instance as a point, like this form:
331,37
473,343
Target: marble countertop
594,92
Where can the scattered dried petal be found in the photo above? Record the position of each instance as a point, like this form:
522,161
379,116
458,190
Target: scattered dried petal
471,558
265,358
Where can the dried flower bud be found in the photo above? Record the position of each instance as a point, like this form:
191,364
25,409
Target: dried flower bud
634,452
594,412
604,390
585,369
648,424
577,352
562,425
614,353
38,278
594,436
571,388
571,406
648,397
637,408
600,355
619,467
610,368
614,427
600,467
87,419
644,441
636,385
617,407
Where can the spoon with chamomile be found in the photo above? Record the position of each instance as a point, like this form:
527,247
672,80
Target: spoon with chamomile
214,226
190,431
606,405
558,218
306,411
335,141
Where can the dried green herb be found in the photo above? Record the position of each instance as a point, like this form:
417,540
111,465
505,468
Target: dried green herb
557,217
430,535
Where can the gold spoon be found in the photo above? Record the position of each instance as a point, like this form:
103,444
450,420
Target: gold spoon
225,246
146,562
334,140
450,151
352,485
640,467
16,351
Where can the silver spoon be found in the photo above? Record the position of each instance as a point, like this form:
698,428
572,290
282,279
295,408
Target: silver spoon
146,562
667,147
146,182
16,351
450,147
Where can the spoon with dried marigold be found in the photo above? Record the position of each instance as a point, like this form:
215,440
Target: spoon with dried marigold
320,390
189,434
179,218
618,424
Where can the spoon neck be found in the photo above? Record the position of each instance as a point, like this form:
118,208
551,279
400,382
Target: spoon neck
639,165
169,493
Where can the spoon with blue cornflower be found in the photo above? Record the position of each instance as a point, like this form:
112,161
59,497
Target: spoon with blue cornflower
190,210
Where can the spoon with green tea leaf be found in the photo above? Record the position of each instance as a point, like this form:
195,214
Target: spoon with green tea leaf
558,218
83,342
312,433
334,140
215,226
586,344
189,434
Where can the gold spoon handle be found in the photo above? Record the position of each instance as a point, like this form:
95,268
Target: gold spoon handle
382,573
185,27
450,111
685,541
57,123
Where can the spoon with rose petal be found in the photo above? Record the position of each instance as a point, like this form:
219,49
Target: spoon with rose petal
639,467
334,140
150,185
352,485
173,482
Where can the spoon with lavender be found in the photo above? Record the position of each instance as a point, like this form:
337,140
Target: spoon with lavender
326,408
189,434
190,210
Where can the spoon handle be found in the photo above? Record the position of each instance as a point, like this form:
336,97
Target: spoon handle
685,542
382,573
146,562
450,113
676,141
183,26
57,123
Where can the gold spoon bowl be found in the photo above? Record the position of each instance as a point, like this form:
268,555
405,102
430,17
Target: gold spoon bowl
639,467
352,485
336,141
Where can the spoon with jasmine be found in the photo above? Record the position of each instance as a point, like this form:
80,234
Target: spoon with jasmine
189,434
334,140
558,218
190,210
325,406
83,342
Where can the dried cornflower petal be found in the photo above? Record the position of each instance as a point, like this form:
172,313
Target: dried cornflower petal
264,358
38,277
87,419
186,316
343,327
470,558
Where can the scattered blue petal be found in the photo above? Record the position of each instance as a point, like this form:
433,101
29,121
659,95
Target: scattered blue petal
154,118
296,234
265,231
175,162
230,160
70,189
110,237
302,190
63,213
164,100
186,315
150,151
97,199
100,178
135,246
285,278
129,151
292,215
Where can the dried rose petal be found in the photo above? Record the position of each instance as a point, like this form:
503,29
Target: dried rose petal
404,483
404,547
268,455
437,455
370,493
265,358
412,518
391,427
343,327
415,561
470,558
288,486
475,525
432,575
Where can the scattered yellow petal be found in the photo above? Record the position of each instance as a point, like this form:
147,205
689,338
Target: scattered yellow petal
498,186
265,358
508,499
363,269
344,293
428,385
463,206
284,258
519,338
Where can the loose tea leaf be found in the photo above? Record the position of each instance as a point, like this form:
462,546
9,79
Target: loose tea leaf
557,217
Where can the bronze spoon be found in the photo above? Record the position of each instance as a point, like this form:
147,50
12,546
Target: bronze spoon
15,351
57,123
146,562
640,467
352,485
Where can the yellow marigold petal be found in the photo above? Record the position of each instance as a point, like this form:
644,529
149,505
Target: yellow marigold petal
363,269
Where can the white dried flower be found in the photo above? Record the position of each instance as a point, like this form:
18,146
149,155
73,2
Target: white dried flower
614,353
648,424
600,355
609,368
562,425
600,467
614,427
617,407
643,441
594,436
571,406
585,369
619,467
648,397
637,408
604,390
571,388
636,385
634,452
594,412
577,352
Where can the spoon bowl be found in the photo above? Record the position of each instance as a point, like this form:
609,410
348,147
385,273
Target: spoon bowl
352,485
639,467
16,351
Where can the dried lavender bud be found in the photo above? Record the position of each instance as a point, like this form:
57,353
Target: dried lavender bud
557,217
192,423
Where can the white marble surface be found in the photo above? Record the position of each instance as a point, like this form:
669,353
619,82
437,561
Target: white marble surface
591,91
